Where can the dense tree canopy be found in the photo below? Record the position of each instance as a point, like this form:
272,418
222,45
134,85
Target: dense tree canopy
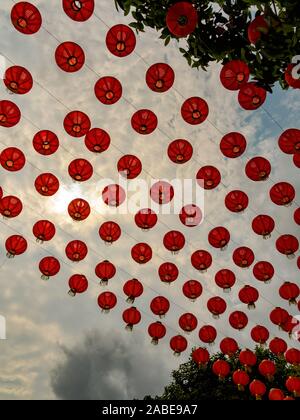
221,33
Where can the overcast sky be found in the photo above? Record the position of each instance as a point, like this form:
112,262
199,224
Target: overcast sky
58,347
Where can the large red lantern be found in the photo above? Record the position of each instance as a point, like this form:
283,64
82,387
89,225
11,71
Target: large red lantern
251,96
293,385
69,57
279,316
208,177
15,245
46,184
97,140
241,379
49,267
275,394
221,368
109,232
287,245
144,121
208,334
278,346
260,334
190,215
219,237
45,142
157,331
194,110
216,306
145,219
180,151
12,159
76,250
174,241
229,346
113,195
188,322
201,260
133,289
236,201
258,27
263,271
18,80
178,344
243,257
79,209
107,301
247,358
225,279
168,272
129,166
10,114
289,141
201,356
131,317
80,170
26,18
233,145
120,40
182,19
79,10
192,289
160,306
105,270
78,283
141,253
162,192
257,389
292,356
290,80
160,77
10,206
282,194
263,225
238,320
44,230
234,74
77,124
267,368
249,295
258,169
289,291
108,90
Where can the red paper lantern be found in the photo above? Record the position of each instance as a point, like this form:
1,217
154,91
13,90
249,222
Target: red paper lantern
247,358
293,385
267,368
289,291
233,145
188,322
10,114
107,301
80,170
131,317
105,270
76,250
160,306
79,10
292,356
78,283
249,295
129,166
296,160
194,110
208,177
108,90
263,225
162,192
141,253
157,331
77,124
10,206
49,267
113,195
192,289
145,219
221,368
69,57
243,257
109,232
18,80
160,77
201,260
12,159
279,316
236,201
260,334
174,241
289,141
219,237
15,245
225,279
208,334
229,346
287,245
257,28
182,19
133,289
263,271
241,379
257,389
277,346
120,40
26,18
97,140
45,142
276,394
282,194
297,216
144,121
251,96
180,151
44,230
234,74
201,356
46,184
79,209
178,344
217,306
168,272
258,169
238,320
190,215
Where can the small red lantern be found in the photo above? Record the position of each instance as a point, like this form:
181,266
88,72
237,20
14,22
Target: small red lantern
287,245
10,114
79,10
276,394
78,283
105,270
18,80
260,334
192,289
129,166
217,306
141,253
79,209
97,140
289,141
144,121
15,245
248,359
201,356
257,28
45,142
160,306
108,90
80,170
243,257
297,216
194,110
43,230
249,295
109,232
263,225
219,237
258,169
182,19
282,194
236,201
107,301
233,145
12,159
46,184
208,177
190,215
221,368
225,279
131,317
201,260
120,40
49,267
157,331
10,206
279,316
229,346
267,368
263,271
238,320
174,241
69,57
76,250
180,151
26,18
234,74
241,379
160,77
188,322
168,272
293,385
77,124
296,160
162,192
208,334
113,195
145,219
257,389
289,291
292,356
178,344
277,346
251,96
133,289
